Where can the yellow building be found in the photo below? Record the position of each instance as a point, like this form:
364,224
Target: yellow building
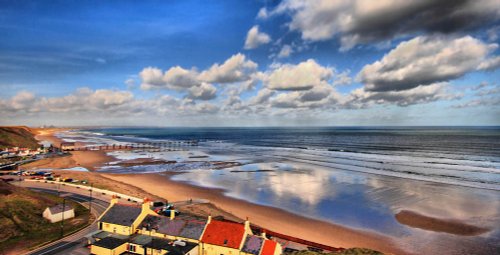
132,229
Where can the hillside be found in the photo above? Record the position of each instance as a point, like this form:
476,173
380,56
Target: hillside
17,137
21,219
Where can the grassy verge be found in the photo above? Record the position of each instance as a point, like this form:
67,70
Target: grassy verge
22,223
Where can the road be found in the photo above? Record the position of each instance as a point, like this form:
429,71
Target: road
75,243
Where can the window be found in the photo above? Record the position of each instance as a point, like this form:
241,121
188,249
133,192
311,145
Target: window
131,248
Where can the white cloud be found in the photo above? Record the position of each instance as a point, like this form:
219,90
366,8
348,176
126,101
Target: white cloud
302,76
255,38
130,83
363,21
425,60
361,98
285,51
262,96
176,78
343,78
235,69
151,77
263,13
205,91
490,64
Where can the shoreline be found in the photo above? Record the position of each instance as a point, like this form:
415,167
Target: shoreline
161,185
275,219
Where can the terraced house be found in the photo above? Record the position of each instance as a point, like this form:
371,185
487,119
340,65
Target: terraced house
132,229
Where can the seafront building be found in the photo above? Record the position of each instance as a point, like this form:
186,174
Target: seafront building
133,229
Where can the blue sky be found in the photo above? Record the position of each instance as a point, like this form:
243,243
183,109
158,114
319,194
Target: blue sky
218,63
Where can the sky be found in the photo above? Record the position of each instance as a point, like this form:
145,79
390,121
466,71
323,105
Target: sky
250,63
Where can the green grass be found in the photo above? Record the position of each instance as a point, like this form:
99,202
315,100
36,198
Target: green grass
17,137
21,220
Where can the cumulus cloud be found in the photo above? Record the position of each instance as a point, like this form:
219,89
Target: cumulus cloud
255,38
285,51
322,96
176,78
364,21
235,69
426,60
205,91
84,99
302,76
361,98
490,64
262,96
343,78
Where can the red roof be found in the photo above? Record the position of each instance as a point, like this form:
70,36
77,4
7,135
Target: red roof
268,248
222,233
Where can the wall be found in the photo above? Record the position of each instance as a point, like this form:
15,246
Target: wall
209,249
58,217
122,230
103,251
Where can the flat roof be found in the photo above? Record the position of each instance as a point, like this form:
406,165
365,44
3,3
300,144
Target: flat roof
110,242
168,245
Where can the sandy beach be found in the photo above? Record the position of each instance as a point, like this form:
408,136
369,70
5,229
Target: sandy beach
161,186
270,218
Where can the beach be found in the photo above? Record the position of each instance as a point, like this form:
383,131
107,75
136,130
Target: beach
427,225
161,186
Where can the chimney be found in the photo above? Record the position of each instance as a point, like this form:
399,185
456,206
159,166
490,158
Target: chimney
114,200
145,204
247,224
172,214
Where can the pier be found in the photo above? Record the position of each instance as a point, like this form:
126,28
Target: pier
170,145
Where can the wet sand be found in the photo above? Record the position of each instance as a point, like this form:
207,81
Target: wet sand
451,226
90,160
267,217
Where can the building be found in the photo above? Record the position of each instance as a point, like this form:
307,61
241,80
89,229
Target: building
57,213
66,146
133,229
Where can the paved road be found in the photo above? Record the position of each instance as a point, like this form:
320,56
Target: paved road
75,243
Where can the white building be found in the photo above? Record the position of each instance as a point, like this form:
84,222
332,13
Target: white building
55,213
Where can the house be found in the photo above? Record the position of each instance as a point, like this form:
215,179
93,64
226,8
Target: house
132,229
58,212
67,146
123,219
184,227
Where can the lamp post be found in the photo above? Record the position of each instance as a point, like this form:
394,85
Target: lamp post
62,221
63,210
90,201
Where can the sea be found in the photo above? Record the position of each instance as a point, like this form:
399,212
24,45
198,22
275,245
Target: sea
359,177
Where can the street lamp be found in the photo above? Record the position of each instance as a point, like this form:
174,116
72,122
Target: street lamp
63,209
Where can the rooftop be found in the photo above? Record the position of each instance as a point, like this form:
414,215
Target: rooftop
109,242
168,245
59,208
121,214
223,233
253,244
268,248
184,225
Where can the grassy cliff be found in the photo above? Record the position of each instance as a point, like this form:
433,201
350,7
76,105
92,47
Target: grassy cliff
17,137
22,223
